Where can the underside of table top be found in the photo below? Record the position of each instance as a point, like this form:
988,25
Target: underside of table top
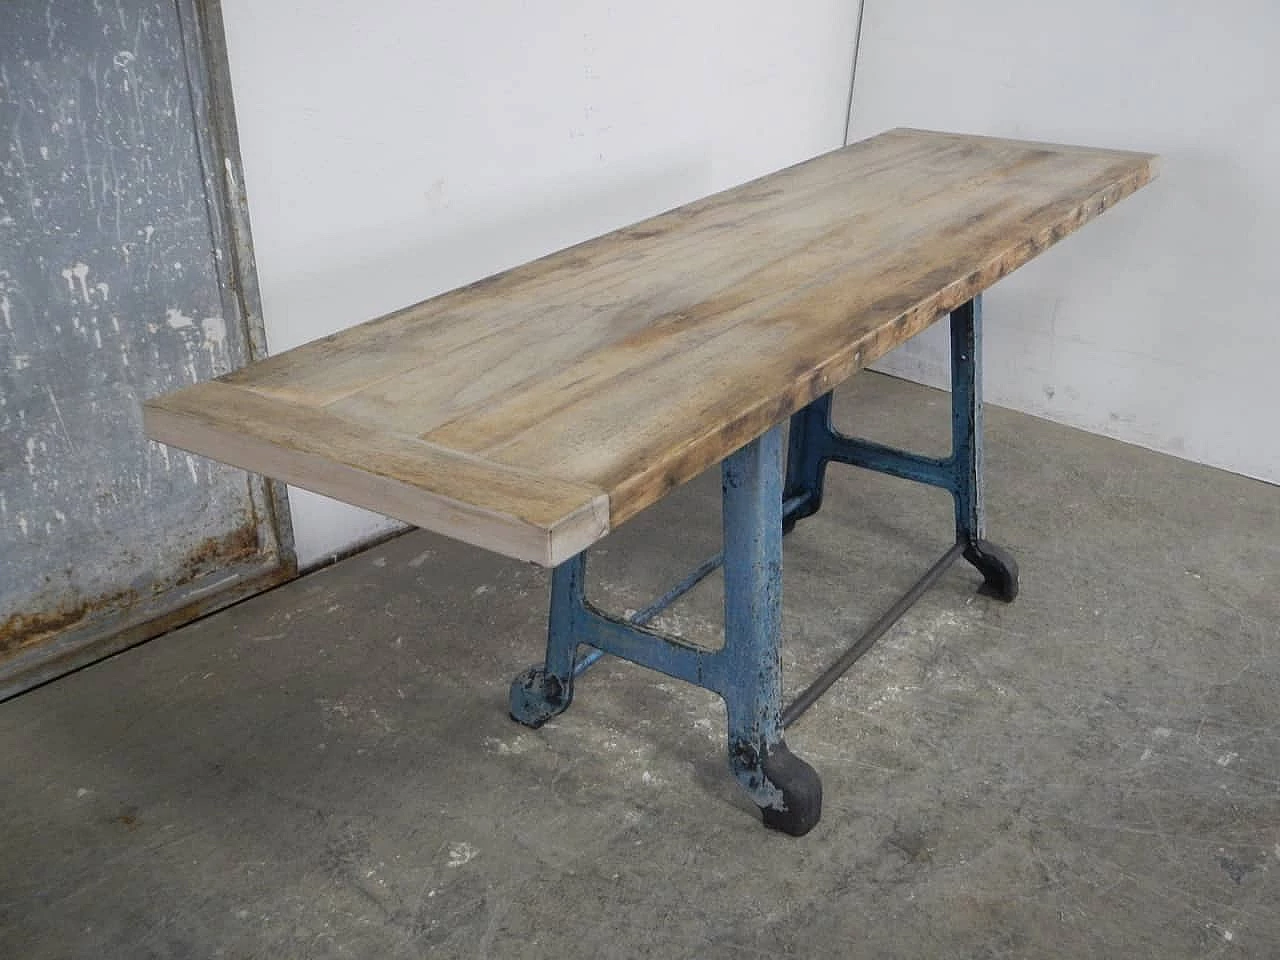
532,412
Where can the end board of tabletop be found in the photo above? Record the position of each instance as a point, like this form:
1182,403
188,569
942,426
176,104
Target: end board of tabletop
515,512
1151,161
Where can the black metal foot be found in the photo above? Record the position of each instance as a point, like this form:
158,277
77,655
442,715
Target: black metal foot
800,808
998,569
537,696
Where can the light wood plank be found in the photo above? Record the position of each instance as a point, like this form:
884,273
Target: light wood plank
523,515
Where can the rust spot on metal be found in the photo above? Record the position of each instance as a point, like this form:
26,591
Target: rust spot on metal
24,630
239,544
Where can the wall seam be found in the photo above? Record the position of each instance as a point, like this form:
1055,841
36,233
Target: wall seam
853,71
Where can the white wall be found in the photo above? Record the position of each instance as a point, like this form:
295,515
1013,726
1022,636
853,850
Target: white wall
1158,323
395,149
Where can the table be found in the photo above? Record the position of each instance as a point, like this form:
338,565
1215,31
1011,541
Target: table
533,412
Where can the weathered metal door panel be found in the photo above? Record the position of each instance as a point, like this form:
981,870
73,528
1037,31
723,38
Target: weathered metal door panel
124,272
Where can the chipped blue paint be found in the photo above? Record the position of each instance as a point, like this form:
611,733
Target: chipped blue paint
746,672
814,441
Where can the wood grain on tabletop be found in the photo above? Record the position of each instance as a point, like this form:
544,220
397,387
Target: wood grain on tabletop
533,411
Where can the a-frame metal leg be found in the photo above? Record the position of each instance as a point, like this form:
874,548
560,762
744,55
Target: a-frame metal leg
746,671
815,442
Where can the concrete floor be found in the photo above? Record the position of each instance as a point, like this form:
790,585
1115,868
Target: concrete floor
328,770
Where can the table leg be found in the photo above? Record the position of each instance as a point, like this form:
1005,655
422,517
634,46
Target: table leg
786,789
997,566
815,442
746,672
808,453
540,693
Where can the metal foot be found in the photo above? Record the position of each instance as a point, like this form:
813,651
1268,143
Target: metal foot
800,807
537,696
786,789
998,568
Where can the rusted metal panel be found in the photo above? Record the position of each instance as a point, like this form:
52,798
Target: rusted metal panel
125,271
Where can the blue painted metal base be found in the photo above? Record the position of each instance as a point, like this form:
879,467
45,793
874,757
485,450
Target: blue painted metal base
758,508
746,672
814,443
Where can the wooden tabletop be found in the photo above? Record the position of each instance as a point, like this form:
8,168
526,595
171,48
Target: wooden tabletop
532,412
